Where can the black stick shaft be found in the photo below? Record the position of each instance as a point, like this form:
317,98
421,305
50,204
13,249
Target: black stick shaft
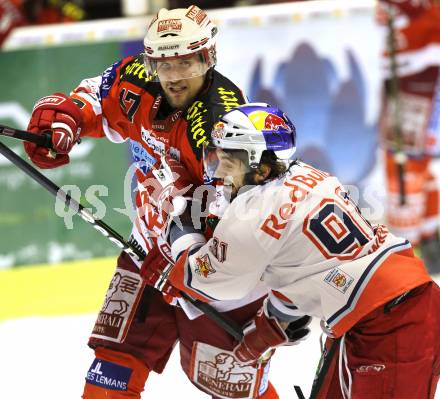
299,392
323,367
42,140
228,325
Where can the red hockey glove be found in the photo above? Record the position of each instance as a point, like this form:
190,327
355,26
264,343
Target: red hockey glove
265,333
58,114
155,270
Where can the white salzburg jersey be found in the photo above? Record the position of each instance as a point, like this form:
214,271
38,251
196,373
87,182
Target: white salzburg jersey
303,236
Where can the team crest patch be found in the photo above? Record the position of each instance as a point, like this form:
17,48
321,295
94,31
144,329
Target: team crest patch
119,306
218,372
108,375
204,267
339,280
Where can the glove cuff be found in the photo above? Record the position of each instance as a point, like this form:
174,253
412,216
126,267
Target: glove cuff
275,332
62,103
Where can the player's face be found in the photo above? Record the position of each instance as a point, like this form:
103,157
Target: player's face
181,79
232,166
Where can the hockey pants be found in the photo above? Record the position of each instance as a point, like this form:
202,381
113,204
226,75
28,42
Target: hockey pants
120,370
392,353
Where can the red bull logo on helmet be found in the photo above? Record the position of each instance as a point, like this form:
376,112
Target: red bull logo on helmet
274,122
263,120
218,131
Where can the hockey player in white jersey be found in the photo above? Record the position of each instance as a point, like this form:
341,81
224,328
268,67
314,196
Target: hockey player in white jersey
297,230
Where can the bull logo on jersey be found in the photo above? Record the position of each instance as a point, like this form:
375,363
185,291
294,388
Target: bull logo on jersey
218,372
225,369
203,266
119,306
114,306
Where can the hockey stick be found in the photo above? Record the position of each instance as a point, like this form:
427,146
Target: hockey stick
42,140
399,155
228,325
324,364
299,392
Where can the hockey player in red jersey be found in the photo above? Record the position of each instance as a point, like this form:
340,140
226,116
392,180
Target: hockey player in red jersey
411,104
163,103
296,228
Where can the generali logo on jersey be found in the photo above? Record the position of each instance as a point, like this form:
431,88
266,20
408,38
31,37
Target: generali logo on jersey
218,372
118,305
225,377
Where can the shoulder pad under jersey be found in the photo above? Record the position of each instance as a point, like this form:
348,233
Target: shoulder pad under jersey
221,97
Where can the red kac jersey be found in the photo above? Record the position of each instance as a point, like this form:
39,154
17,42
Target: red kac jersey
124,104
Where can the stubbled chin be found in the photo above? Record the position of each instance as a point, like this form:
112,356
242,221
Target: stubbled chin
178,101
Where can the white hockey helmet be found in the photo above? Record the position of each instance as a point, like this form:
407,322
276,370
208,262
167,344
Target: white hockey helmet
251,128
176,35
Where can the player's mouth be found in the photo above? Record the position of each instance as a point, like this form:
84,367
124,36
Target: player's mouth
177,90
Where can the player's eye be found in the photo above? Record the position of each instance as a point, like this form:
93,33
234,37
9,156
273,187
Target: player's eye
165,66
185,64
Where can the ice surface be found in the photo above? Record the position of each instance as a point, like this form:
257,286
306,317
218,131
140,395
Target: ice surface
47,358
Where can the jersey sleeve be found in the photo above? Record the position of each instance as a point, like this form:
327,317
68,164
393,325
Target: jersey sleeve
99,100
227,267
